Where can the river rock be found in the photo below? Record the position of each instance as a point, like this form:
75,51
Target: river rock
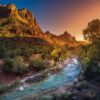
21,88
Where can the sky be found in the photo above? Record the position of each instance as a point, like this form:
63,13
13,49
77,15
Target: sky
58,16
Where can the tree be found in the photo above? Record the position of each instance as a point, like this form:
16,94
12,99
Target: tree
80,52
55,54
92,32
94,55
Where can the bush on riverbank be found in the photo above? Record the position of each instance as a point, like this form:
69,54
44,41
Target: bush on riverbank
7,67
37,64
91,60
3,87
15,65
63,96
19,66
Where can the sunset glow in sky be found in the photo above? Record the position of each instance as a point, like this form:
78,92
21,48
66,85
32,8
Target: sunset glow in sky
58,16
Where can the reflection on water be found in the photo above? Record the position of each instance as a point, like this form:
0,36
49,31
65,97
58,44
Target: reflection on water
67,75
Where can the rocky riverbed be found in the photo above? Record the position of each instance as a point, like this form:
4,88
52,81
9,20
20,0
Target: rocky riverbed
68,74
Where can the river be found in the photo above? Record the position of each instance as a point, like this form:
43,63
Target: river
67,75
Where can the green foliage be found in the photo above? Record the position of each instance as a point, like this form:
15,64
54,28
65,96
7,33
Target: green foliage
7,66
10,26
80,52
94,55
14,53
46,97
3,87
15,65
19,66
27,52
55,54
91,60
37,64
93,51
3,51
63,53
92,32
63,96
86,63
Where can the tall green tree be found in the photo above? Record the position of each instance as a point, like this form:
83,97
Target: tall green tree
92,31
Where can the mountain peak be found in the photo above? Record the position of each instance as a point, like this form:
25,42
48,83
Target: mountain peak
10,11
67,37
11,6
21,23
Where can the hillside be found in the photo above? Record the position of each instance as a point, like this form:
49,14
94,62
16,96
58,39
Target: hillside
21,23
68,39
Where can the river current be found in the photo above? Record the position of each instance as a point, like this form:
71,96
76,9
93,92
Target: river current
67,75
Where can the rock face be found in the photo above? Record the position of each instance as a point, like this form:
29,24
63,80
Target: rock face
21,23
7,11
53,39
10,11
27,17
64,39
67,37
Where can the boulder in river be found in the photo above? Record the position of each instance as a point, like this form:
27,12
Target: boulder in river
21,88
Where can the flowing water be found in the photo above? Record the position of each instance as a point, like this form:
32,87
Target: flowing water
64,77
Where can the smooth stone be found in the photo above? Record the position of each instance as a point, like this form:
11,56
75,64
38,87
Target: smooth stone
21,88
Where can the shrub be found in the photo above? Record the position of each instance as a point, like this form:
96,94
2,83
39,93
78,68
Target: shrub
7,66
3,88
2,51
86,63
14,53
46,97
19,66
37,64
63,96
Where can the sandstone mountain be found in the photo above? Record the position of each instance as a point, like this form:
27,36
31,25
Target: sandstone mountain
21,23
67,37
23,15
64,39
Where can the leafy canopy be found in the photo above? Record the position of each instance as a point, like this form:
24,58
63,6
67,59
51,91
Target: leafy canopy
92,32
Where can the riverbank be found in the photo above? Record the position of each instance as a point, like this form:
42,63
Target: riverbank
27,80
66,89
66,76
16,84
77,90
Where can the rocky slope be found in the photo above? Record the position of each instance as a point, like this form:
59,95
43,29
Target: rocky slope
64,39
68,39
10,11
21,23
